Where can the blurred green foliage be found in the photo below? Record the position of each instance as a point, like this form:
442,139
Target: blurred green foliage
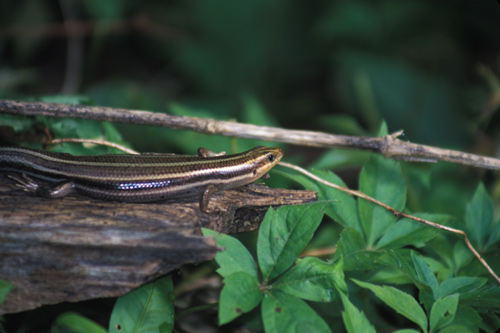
429,67
411,63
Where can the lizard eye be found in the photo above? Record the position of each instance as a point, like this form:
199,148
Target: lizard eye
271,157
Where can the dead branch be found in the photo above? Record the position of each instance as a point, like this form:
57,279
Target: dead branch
389,146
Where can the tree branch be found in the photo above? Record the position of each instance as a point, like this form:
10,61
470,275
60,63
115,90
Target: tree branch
389,146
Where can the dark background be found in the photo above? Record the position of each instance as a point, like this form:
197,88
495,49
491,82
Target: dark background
340,66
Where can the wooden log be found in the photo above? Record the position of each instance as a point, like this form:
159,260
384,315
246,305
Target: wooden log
77,248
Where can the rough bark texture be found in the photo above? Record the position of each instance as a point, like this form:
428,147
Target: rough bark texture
76,248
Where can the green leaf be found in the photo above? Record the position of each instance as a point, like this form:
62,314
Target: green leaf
147,309
400,259
354,320
494,235
443,312
416,269
490,322
424,273
487,297
350,242
340,158
457,329
461,255
283,235
111,133
74,323
479,217
389,275
381,179
343,207
234,258
409,232
80,128
5,288
18,123
65,99
466,317
312,279
351,247
383,129
401,302
286,313
239,295
461,284
426,281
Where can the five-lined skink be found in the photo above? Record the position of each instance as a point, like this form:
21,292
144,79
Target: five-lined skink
137,178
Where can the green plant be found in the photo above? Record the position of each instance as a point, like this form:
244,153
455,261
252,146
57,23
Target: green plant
373,246
147,309
282,237
344,64
452,294
421,277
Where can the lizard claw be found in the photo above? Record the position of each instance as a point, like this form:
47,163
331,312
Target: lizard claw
25,183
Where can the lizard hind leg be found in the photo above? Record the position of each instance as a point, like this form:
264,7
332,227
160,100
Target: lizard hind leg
27,184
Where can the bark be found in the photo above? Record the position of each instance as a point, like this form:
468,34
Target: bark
77,248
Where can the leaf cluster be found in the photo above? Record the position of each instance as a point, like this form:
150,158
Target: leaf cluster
374,248
281,289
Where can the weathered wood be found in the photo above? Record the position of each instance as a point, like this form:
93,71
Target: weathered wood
389,146
77,248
